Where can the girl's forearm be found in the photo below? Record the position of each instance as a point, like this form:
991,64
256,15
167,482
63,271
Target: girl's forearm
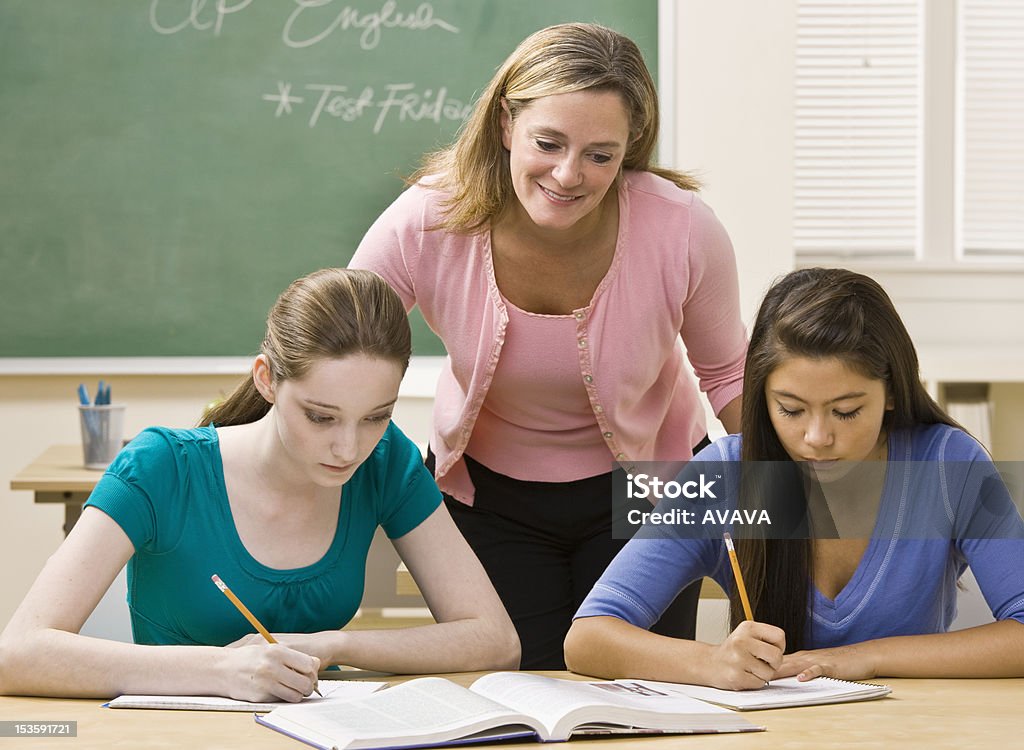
611,648
457,646
992,650
57,663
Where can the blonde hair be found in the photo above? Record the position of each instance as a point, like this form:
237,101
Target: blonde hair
328,314
570,57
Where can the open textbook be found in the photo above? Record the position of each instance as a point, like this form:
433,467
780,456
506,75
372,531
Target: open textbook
333,691
432,711
778,693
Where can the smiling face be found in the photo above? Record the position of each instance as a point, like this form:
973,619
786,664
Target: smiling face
565,151
330,420
827,414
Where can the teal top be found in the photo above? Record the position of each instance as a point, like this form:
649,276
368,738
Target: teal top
166,490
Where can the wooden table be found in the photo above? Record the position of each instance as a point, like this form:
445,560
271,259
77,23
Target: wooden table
932,714
58,476
405,585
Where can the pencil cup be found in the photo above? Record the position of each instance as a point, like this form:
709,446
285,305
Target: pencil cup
102,430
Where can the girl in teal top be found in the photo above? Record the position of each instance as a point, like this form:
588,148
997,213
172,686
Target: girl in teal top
279,494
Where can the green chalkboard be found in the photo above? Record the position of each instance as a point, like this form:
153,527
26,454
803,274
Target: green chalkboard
168,166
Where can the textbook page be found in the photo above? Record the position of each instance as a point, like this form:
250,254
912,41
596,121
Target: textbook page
424,711
573,707
779,693
333,691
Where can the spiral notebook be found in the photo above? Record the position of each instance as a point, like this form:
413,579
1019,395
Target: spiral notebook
779,693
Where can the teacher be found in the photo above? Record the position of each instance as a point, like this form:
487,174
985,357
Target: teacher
559,267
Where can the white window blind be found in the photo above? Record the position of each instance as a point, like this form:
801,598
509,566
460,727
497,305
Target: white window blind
858,129
991,133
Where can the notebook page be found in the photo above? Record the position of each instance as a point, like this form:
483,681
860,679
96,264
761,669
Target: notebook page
780,693
333,691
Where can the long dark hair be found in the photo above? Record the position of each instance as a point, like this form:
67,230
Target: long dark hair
815,313
328,314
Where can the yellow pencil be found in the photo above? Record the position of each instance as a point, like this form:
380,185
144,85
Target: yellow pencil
738,576
248,615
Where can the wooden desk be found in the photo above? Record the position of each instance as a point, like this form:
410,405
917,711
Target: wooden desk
405,585
58,476
932,714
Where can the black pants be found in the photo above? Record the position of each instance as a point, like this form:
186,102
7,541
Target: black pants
544,545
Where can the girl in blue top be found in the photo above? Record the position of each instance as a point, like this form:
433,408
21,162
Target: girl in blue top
279,494
832,384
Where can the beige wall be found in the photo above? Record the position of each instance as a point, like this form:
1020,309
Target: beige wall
733,118
37,411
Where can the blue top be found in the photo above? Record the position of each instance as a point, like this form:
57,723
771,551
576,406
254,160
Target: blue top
905,583
166,490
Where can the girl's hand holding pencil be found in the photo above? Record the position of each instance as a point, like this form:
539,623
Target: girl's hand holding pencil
748,658
752,653
297,666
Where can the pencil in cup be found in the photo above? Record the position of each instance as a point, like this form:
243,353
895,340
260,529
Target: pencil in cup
248,615
738,576
102,427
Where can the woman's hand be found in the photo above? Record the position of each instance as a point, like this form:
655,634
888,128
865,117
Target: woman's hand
254,670
748,658
842,662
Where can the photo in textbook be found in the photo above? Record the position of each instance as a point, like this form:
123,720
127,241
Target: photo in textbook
433,711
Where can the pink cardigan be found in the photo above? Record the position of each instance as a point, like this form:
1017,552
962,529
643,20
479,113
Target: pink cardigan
673,272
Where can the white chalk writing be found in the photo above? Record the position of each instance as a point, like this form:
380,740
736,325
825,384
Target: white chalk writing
310,21
284,98
398,103
193,14
370,23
